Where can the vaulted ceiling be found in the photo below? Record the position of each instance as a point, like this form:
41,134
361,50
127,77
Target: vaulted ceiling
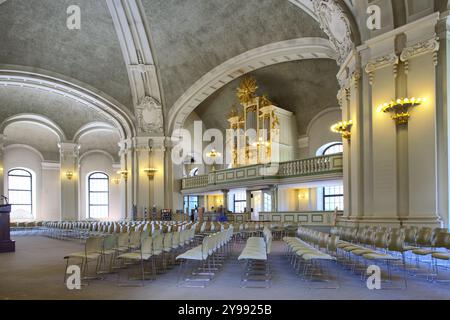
188,39
302,87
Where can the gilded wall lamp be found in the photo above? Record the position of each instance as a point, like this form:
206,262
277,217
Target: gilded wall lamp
69,175
400,109
123,174
344,128
150,172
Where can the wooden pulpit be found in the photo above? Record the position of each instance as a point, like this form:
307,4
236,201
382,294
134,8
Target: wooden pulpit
6,244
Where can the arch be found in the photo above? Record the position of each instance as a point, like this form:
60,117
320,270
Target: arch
323,149
36,119
72,89
91,127
103,152
318,116
25,146
284,51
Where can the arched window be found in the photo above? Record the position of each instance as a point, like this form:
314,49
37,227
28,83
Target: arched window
333,196
20,193
98,195
333,149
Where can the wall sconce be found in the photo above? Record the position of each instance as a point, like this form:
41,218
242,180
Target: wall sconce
115,180
123,174
150,172
69,175
400,109
344,128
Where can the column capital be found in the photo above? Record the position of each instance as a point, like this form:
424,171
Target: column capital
69,149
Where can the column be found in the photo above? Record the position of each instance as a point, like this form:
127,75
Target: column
2,173
225,200
248,201
69,180
126,181
144,180
443,120
274,196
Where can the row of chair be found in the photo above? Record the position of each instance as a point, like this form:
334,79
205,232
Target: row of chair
422,245
256,256
200,264
312,254
112,252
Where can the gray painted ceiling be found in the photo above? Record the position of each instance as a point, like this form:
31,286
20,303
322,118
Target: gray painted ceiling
34,34
191,37
34,135
68,114
303,87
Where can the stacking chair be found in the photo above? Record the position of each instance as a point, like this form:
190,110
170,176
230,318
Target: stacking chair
255,255
189,276
140,257
92,252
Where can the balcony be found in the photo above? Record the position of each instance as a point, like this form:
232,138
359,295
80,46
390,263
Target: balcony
297,171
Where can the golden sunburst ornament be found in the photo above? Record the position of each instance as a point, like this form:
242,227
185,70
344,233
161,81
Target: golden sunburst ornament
246,90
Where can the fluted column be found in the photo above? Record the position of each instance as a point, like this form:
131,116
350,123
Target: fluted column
69,153
2,171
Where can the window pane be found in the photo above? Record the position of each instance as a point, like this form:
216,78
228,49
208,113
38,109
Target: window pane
20,197
98,185
19,183
336,148
98,211
98,195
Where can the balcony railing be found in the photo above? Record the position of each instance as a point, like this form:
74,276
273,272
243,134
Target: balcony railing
284,170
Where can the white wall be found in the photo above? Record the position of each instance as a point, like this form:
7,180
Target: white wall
46,183
98,162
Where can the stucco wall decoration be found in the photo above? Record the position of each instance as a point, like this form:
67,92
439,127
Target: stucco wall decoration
149,116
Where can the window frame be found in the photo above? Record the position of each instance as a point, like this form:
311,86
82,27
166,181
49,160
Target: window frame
89,178
238,201
335,195
324,153
31,190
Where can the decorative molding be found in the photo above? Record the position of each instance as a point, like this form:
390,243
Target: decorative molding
129,22
96,151
290,50
91,127
36,119
421,48
50,165
68,149
105,106
149,116
336,25
379,63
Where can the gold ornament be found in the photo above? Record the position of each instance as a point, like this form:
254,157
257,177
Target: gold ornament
246,90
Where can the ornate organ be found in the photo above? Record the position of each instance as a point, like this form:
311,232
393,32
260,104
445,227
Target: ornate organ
261,133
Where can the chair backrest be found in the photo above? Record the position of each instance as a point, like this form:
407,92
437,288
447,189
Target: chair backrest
424,237
147,245
110,242
176,238
396,242
158,242
94,245
411,235
135,239
168,240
